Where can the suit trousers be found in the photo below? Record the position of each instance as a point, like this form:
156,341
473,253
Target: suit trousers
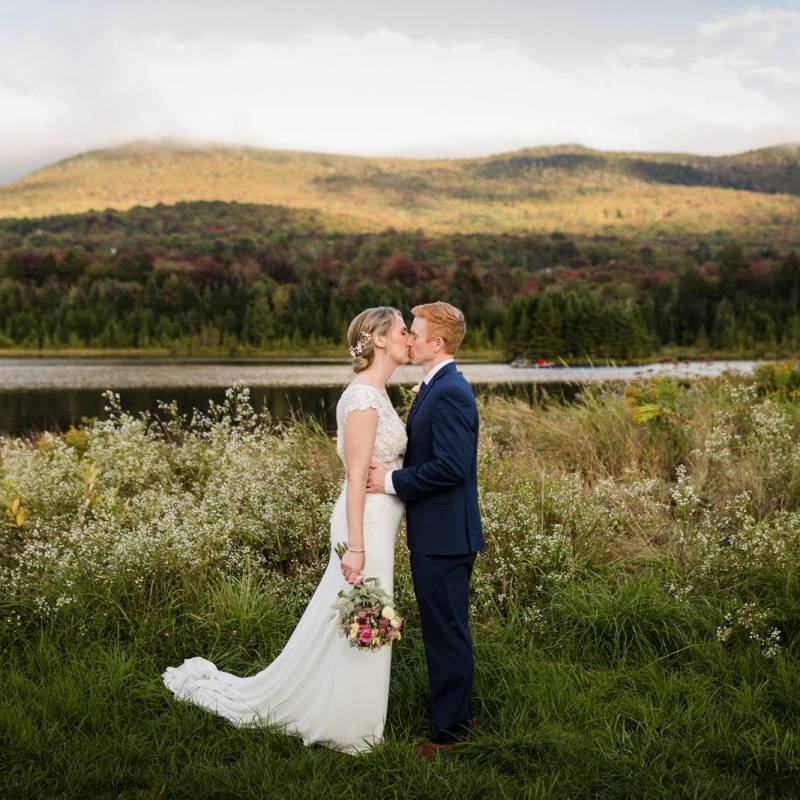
441,585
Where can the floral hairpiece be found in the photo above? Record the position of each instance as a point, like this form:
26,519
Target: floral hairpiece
365,337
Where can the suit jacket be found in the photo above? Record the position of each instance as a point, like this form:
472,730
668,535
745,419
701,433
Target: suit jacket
439,479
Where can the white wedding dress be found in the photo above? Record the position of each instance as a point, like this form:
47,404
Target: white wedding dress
319,687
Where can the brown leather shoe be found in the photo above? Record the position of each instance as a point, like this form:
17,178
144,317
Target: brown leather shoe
430,750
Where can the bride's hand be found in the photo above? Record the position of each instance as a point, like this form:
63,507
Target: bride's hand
352,564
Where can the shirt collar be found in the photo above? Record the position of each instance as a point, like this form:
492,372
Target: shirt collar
429,376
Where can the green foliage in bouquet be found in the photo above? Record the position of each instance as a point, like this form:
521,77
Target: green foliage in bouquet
366,616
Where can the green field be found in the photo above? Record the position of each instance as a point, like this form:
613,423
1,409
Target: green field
635,613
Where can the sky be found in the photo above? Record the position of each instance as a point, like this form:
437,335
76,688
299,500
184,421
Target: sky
449,78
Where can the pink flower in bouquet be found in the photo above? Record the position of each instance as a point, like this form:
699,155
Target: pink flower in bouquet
366,634
365,614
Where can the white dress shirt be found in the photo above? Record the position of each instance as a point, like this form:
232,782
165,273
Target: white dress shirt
388,486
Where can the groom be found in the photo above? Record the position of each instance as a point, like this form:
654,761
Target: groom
439,486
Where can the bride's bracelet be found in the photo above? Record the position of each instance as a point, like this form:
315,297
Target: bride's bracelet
353,550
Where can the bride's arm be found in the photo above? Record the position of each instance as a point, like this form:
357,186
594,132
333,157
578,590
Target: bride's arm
359,439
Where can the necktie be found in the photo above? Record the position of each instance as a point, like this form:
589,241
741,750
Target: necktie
422,390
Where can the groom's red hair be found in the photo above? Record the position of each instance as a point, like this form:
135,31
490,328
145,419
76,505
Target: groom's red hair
443,320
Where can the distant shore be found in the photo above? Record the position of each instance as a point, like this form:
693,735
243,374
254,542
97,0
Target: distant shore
335,355
322,353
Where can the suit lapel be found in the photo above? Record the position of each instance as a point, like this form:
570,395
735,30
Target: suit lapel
416,407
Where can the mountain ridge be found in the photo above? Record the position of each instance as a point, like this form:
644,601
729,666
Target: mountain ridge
169,143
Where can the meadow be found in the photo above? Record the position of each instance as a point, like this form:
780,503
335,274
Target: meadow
635,612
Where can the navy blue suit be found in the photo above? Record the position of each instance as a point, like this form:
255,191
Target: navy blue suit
439,486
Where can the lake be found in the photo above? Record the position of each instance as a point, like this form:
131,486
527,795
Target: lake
53,393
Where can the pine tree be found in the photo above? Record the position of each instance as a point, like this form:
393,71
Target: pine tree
723,334
545,338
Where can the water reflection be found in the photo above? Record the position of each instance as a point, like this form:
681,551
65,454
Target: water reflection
27,412
54,393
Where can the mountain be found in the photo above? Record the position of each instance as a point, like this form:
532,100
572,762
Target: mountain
566,188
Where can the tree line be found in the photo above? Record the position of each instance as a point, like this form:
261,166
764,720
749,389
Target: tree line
228,276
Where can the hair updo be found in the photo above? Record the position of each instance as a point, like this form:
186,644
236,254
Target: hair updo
369,323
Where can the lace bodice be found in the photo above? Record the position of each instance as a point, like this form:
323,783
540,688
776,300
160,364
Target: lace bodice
390,439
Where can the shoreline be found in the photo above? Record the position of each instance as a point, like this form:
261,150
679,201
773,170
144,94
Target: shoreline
333,356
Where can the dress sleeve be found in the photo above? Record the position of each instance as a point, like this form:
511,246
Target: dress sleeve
357,398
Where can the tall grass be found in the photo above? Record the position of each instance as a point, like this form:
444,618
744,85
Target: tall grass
635,612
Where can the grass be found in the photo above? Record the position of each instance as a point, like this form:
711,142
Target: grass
615,655
628,695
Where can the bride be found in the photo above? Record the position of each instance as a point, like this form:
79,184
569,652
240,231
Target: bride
319,687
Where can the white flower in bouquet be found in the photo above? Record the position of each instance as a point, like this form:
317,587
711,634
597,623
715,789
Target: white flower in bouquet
365,613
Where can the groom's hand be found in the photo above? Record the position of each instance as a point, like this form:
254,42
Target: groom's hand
377,476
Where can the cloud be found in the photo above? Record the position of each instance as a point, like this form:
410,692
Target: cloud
760,43
377,93
779,74
749,19
641,51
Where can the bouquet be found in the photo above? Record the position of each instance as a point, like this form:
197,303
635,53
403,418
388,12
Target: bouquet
366,617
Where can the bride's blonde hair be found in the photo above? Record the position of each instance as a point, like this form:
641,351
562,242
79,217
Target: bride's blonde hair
369,323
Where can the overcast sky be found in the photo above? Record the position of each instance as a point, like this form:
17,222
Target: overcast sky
451,78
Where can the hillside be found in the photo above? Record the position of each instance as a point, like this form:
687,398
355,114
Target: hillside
569,188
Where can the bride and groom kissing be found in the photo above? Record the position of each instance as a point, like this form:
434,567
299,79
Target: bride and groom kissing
319,687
